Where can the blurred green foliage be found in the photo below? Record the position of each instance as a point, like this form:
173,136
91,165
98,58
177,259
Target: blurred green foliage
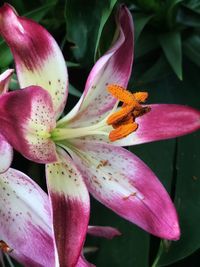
169,28
167,50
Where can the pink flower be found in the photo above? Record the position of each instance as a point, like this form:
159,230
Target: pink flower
79,152
25,222
6,152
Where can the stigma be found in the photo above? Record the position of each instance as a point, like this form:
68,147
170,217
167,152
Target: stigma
123,120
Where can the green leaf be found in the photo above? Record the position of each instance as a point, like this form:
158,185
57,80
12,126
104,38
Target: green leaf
74,91
193,4
14,85
72,64
191,48
5,55
84,24
172,48
105,15
38,13
188,17
149,5
19,5
140,20
145,44
171,7
156,72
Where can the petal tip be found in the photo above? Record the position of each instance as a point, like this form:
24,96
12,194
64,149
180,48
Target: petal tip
175,233
6,10
170,230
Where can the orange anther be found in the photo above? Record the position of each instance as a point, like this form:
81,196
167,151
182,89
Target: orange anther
122,131
141,97
122,94
123,120
119,115
127,120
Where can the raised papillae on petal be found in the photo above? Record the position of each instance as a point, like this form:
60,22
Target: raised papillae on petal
123,183
113,67
27,118
6,154
25,221
5,78
70,205
38,58
123,120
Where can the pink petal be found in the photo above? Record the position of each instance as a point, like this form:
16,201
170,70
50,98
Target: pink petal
5,78
114,67
70,208
38,58
25,220
162,122
103,231
122,182
6,154
26,119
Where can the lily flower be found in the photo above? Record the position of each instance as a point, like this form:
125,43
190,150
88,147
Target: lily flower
6,152
25,222
82,150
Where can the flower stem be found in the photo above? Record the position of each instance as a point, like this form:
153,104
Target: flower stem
160,251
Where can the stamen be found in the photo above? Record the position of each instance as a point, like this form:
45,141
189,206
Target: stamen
141,97
119,115
123,120
122,131
127,120
122,94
